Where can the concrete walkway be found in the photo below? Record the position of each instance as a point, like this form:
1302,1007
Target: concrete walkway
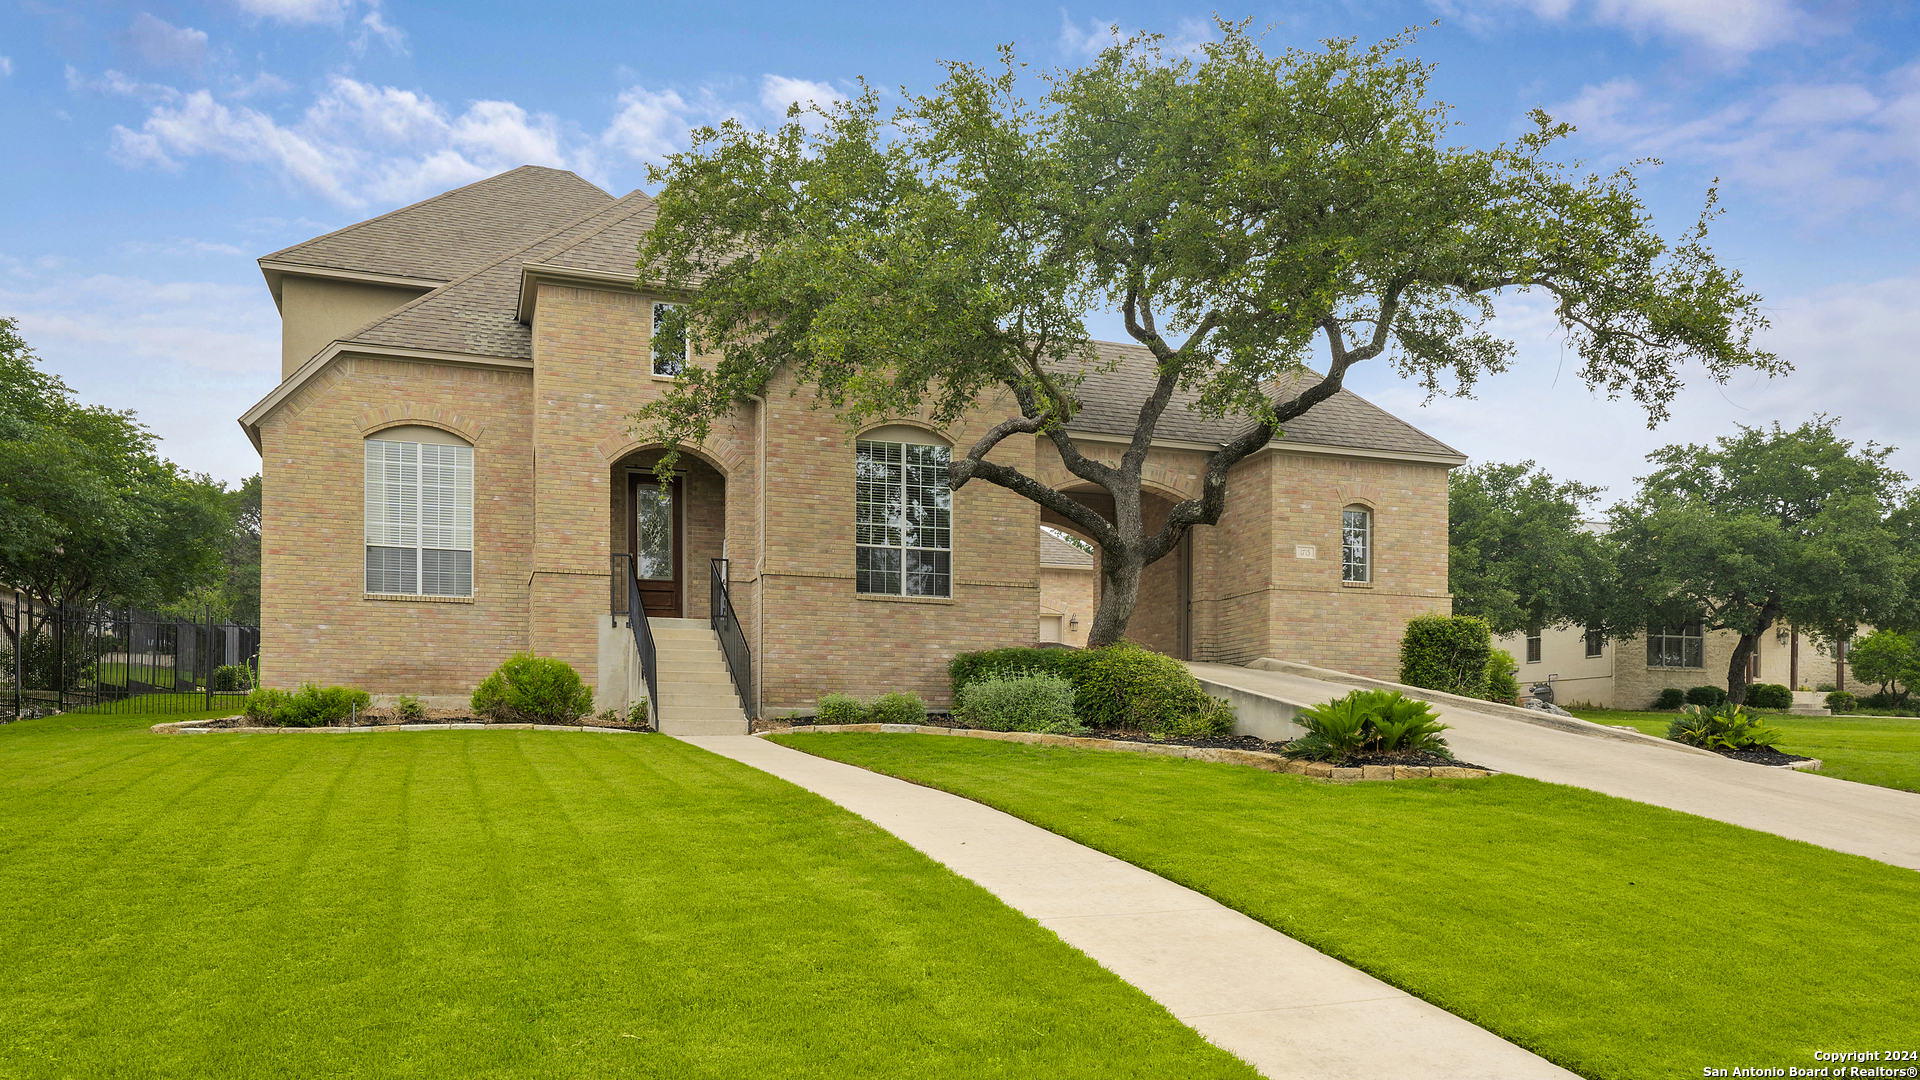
1879,823
1284,1008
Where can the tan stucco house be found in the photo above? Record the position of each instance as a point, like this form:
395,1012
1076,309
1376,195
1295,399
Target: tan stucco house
451,476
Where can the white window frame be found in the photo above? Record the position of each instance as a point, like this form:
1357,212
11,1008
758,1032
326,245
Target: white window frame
1356,571
419,517
673,369
892,529
1534,648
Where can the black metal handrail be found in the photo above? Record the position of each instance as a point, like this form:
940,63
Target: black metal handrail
642,636
733,641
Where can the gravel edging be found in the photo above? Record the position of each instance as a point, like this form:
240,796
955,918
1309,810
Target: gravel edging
1278,763
199,727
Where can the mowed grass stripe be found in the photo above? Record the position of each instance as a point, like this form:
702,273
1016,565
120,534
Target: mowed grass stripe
1616,938
508,904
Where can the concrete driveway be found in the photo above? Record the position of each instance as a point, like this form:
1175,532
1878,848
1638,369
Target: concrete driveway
1879,823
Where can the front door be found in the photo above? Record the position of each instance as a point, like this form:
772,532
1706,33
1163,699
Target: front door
653,539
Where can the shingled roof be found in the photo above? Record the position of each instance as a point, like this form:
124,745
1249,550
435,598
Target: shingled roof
478,314
1056,552
1110,405
455,233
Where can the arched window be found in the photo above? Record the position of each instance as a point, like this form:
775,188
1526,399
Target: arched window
1356,544
903,514
419,513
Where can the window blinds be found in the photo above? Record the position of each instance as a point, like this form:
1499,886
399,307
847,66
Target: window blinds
419,518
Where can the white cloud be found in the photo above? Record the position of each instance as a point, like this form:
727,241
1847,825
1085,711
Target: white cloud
1734,27
180,247
1087,41
1823,150
260,85
163,44
777,92
374,27
6,66
116,83
650,124
298,12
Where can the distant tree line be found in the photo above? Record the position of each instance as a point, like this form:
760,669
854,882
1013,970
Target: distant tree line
90,513
1762,528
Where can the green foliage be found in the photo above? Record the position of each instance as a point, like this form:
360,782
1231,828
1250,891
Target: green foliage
1728,727
1449,653
1518,554
1041,702
1764,526
1671,698
1889,658
409,709
840,709
1368,722
310,706
1769,696
1842,701
533,689
1711,697
1502,686
897,708
1234,207
969,667
232,677
637,713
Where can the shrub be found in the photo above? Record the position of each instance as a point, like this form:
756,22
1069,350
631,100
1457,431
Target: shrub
1881,699
1729,727
1841,701
1769,696
1449,653
309,706
1042,703
533,689
637,714
408,708
970,667
840,709
1824,688
231,677
1711,697
1368,722
1128,688
897,708
1501,684
1671,698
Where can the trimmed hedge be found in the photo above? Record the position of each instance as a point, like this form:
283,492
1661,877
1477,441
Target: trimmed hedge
1671,698
530,689
1448,653
1769,696
897,708
1122,686
840,709
1711,697
1842,701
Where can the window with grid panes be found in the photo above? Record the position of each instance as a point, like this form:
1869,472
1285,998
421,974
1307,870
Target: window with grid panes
419,519
1356,544
903,520
1676,647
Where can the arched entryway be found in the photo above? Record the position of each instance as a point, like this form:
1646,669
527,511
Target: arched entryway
671,531
1163,615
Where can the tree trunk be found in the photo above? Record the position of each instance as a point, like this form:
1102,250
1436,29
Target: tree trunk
1737,668
1119,591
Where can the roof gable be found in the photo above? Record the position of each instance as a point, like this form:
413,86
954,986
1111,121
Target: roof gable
453,233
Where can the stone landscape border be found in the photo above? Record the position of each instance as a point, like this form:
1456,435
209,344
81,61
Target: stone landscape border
199,727
1257,759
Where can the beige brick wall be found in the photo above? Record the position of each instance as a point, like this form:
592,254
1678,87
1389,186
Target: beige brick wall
316,625
1069,592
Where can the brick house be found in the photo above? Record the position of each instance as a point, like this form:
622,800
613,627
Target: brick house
450,477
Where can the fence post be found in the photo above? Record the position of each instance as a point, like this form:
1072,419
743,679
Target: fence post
209,664
19,656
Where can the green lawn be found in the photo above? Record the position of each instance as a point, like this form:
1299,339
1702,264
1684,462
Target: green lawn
1613,937
506,904
1882,750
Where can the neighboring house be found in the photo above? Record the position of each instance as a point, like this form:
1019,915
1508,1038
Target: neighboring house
1069,590
1586,667
451,475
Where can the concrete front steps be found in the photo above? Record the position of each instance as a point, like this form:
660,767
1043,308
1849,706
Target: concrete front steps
696,689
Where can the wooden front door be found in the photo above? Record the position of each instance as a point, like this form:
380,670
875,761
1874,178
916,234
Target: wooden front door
653,539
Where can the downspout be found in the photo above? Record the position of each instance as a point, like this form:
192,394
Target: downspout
760,557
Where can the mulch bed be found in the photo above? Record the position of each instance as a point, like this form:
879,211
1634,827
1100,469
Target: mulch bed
1762,757
1213,742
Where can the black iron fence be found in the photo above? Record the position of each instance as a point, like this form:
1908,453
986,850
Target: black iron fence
102,659
733,641
629,590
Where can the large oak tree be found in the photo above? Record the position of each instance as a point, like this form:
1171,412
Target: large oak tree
1519,552
1245,214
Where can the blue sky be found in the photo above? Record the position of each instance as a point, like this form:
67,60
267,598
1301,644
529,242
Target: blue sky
155,150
